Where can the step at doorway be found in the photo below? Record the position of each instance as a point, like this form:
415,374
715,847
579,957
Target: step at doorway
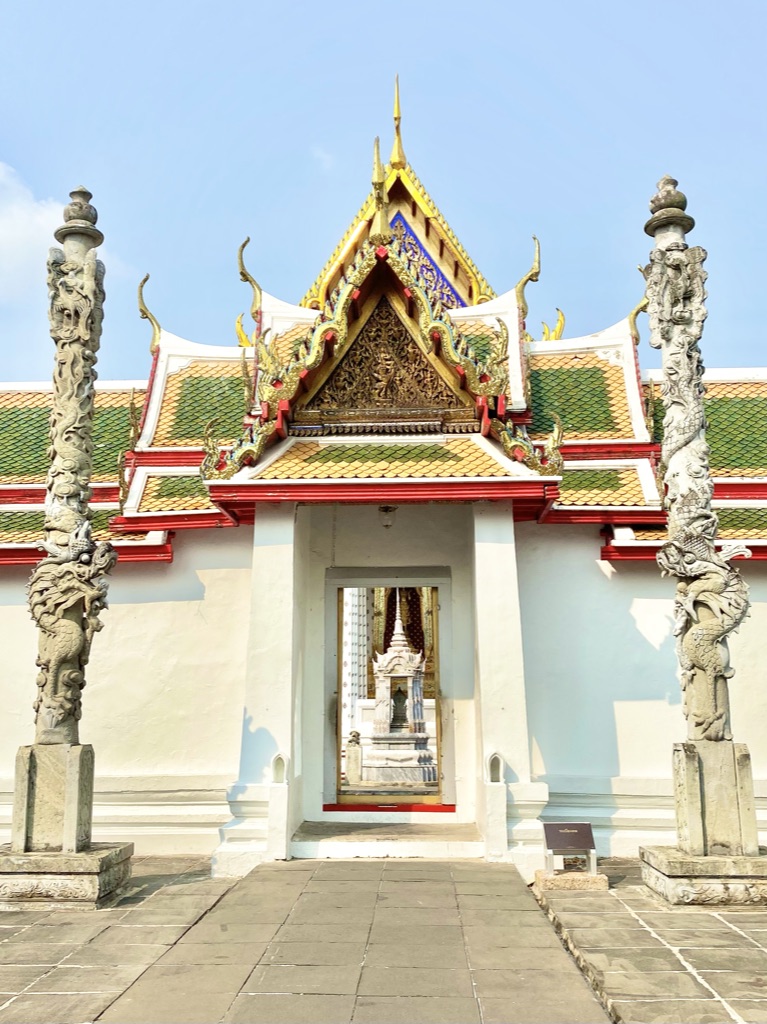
342,840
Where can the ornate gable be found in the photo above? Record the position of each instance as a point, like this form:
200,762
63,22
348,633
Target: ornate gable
383,375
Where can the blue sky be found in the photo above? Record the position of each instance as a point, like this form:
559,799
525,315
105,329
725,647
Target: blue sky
196,124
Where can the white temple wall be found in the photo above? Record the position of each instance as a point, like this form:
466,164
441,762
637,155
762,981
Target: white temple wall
603,701
164,696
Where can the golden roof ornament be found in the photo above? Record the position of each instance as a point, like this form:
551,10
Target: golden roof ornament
380,229
398,160
255,307
146,314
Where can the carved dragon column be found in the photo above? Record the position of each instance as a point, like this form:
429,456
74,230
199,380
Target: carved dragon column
53,798
68,587
712,775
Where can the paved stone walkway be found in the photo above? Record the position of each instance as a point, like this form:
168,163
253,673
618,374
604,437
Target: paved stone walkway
656,964
321,942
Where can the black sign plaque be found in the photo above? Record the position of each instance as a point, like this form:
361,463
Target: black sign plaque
568,835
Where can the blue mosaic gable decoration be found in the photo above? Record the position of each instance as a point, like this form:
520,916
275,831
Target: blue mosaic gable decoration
423,266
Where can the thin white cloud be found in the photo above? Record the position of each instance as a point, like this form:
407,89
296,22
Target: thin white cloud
325,160
26,233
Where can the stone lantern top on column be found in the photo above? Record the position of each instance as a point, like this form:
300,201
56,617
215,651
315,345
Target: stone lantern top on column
668,207
80,219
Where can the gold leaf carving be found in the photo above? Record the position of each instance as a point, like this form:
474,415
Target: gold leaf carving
384,369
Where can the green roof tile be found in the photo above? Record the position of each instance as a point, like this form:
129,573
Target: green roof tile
743,519
579,397
737,432
182,487
201,399
23,442
591,480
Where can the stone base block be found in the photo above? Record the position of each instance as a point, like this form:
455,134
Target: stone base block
572,881
53,798
53,881
681,878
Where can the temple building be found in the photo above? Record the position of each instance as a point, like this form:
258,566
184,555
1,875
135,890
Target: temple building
386,581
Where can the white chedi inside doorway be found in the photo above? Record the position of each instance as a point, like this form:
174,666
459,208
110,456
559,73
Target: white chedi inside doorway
389,741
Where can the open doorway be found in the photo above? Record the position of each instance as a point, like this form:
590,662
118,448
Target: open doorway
389,743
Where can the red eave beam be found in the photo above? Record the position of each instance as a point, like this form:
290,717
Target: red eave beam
152,457
634,553
574,451
132,553
171,521
382,491
612,516
15,495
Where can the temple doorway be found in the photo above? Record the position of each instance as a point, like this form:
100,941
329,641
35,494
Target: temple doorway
389,732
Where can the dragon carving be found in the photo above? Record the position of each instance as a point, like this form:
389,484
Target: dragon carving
518,446
711,596
68,588
66,596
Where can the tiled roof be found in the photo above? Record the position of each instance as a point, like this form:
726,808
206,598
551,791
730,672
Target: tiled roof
164,493
587,392
601,487
736,412
24,434
734,524
26,527
479,335
312,460
285,345
194,395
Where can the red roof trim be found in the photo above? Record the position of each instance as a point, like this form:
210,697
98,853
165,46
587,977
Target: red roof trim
170,521
634,553
375,491
155,457
35,495
614,516
576,450
125,553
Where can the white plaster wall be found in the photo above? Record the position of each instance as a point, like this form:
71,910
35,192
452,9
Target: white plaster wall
351,536
604,706
164,695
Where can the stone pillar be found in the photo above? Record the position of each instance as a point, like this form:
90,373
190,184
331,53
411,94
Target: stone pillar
717,859
501,690
51,858
269,705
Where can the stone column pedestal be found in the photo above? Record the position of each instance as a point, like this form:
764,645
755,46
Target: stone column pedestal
61,881
51,861
718,858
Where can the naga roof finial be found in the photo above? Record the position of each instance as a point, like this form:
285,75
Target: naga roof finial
145,314
380,230
398,160
255,306
532,275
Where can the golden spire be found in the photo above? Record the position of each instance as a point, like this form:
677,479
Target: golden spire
380,231
398,159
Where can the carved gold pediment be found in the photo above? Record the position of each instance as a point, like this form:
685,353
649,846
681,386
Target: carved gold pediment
383,374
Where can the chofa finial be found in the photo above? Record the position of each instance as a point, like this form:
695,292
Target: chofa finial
398,159
146,314
380,229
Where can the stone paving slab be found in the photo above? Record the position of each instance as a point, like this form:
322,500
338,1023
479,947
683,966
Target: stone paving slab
659,964
357,942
